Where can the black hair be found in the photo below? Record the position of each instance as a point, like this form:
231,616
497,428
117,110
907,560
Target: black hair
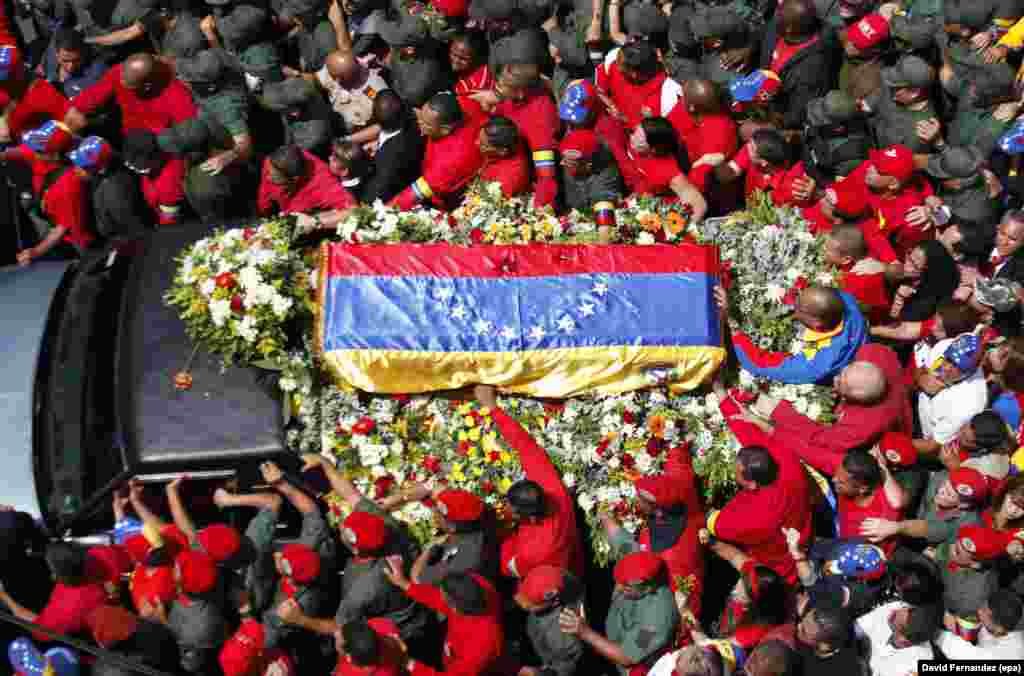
989,429
661,135
776,658
957,317
502,133
641,56
1006,608
66,562
389,110
476,41
360,642
69,38
768,606
289,160
771,146
446,105
922,624
526,497
917,583
862,467
976,240
465,594
353,158
833,623
758,465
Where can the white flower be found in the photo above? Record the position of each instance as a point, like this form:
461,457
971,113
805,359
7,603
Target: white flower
711,400
247,328
814,411
287,384
280,305
207,288
629,430
643,462
804,236
645,238
249,277
220,310
613,463
586,502
569,479
775,292
378,471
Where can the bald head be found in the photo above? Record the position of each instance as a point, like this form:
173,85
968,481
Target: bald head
137,70
820,308
343,68
862,383
702,96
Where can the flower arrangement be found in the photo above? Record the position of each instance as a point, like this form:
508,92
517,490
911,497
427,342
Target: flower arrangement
237,290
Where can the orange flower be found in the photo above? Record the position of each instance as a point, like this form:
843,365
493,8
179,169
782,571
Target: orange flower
651,223
676,223
656,425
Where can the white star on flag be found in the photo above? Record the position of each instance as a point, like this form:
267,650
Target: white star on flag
444,293
537,333
587,309
482,326
566,324
508,333
459,312
600,288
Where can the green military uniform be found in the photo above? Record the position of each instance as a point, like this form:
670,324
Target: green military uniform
462,553
558,651
305,114
942,527
974,123
366,591
200,630
977,16
245,31
718,23
895,124
604,184
970,203
418,77
182,39
917,24
644,628
836,139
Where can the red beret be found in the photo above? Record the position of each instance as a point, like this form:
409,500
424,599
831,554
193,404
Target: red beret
847,198
638,567
300,563
241,655
896,161
983,543
661,490
111,624
970,484
542,584
871,30
107,563
581,141
138,548
458,505
365,531
898,448
220,541
197,572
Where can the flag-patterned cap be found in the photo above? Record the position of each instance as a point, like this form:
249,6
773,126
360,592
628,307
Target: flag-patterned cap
577,101
51,137
759,85
964,352
92,153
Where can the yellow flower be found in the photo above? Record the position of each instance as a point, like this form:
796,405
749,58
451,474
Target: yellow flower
474,434
457,467
472,452
504,484
485,411
470,421
402,427
458,476
478,471
527,232
465,408
506,457
463,436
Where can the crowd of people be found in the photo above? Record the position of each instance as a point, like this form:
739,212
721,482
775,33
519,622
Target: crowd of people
891,535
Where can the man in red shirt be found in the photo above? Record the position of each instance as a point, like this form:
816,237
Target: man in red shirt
866,489
474,642
546,532
371,647
903,201
452,159
296,181
25,102
505,159
861,276
845,203
72,599
467,54
766,163
42,150
627,80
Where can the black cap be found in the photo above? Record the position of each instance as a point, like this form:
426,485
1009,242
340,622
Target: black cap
244,24
989,430
405,31
207,67
570,51
680,32
911,71
836,107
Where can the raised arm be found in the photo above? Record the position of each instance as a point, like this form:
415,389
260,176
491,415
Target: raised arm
273,475
178,512
340,484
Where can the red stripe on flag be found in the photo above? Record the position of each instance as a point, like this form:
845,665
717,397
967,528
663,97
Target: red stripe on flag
530,260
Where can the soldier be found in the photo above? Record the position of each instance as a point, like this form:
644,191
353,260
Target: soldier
543,594
305,114
836,139
961,185
310,34
245,31
864,44
901,103
718,31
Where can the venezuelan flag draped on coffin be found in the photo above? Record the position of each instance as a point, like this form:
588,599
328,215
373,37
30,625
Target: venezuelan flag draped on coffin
543,320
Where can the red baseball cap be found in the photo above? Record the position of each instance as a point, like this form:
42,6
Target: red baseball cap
300,563
197,572
138,548
638,567
847,198
365,531
896,161
220,541
983,543
243,652
870,31
541,584
107,563
898,448
970,484
459,506
579,144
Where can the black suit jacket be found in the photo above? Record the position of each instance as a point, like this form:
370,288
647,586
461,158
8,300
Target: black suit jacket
398,163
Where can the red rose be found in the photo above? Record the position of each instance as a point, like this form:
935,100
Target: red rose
494,456
476,235
248,233
620,509
225,280
401,398
382,486
487,487
683,448
553,408
627,461
655,446
790,297
628,417
364,426
451,221
801,283
432,464
660,236
236,304
463,448
725,275
743,396
602,447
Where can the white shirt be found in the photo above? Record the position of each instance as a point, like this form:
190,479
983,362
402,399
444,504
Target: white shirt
886,659
354,105
665,665
1009,647
943,415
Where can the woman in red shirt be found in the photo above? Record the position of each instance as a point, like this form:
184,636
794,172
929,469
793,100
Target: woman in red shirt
865,489
653,147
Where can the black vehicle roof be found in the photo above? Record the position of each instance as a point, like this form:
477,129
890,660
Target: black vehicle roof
230,415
